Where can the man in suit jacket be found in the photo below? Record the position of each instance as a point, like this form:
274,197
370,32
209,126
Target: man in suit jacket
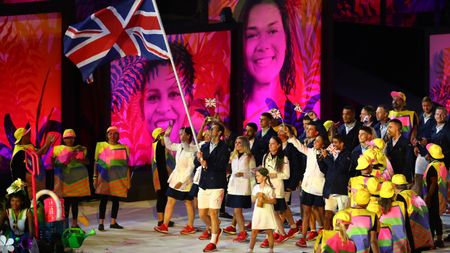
365,135
213,157
381,126
350,129
261,144
440,134
399,150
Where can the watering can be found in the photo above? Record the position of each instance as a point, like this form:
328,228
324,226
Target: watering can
73,237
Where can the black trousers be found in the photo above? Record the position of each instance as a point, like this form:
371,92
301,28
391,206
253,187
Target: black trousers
104,202
435,219
161,200
71,202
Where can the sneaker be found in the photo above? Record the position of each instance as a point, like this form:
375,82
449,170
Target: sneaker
439,244
292,232
248,226
205,235
311,235
242,237
162,229
187,230
225,215
301,243
101,227
264,244
282,238
210,247
231,230
116,226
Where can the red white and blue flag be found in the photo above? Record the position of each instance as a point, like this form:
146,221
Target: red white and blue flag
130,28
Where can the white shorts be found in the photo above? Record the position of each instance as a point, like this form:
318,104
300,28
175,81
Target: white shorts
421,165
210,198
336,202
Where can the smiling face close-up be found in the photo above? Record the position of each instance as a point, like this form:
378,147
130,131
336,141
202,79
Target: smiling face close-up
264,43
162,104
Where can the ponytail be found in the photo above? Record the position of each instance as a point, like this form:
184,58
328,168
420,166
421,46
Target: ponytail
342,232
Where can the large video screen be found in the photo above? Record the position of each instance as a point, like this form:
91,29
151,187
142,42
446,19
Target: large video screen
145,94
30,78
282,55
440,69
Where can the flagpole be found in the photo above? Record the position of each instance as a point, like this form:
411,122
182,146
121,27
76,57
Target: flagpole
176,74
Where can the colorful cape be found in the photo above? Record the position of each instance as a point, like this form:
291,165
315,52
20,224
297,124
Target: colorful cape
71,175
112,167
442,184
385,242
395,218
418,218
331,242
362,222
407,119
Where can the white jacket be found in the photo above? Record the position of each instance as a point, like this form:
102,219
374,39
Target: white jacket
270,164
184,164
241,185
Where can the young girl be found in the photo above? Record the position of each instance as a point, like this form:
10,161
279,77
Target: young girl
238,197
263,214
336,240
17,215
278,166
180,181
71,174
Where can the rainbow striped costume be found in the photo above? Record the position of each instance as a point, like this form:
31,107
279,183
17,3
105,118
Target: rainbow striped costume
71,176
418,218
395,218
330,242
442,183
407,119
354,182
112,166
363,221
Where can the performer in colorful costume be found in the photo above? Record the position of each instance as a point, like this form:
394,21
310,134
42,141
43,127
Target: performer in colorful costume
111,175
336,240
71,174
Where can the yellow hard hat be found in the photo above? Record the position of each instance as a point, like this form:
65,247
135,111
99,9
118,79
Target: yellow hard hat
362,196
373,186
69,133
157,132
399,179
19,133
327,124
379,143
435,151
343,216
363,162
371,154
387,190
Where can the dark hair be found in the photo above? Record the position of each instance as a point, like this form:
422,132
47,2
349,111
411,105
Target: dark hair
287,72
349,107
265,173
314,125
371,111
221,127
253,125
188,131
397,122
280,154
267,115
366,129
402,187
386,204
427,99
307,118
339,138
183,62
385,107
19,195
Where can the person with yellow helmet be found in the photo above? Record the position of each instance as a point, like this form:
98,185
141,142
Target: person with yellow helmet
336,240
365,167
364,227
419,234
394,215
435,190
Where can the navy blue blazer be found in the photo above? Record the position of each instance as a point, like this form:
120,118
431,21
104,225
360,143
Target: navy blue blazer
295,169
356,153
350,139
261,145
401,157
424,130
442,139
214,176
377,128
337,176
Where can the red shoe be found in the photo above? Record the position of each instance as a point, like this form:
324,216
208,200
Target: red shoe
281,239
187,230
162,228
231,230
248,226
276,236
205,235
292,232
210,247
301,243
264,244
218,236
312,235
242,237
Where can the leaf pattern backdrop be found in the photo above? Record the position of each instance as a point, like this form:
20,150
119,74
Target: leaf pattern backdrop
305,18
30,47
211,53
440,69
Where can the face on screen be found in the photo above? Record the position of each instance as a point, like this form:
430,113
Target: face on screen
265,43
162,105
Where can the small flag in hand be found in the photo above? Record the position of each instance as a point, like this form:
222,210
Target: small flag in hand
210,102
276,114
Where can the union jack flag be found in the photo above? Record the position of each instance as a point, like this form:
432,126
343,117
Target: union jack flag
210,102
130,28
298,108
276,114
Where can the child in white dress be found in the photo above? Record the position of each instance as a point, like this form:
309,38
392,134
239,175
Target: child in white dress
263,213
